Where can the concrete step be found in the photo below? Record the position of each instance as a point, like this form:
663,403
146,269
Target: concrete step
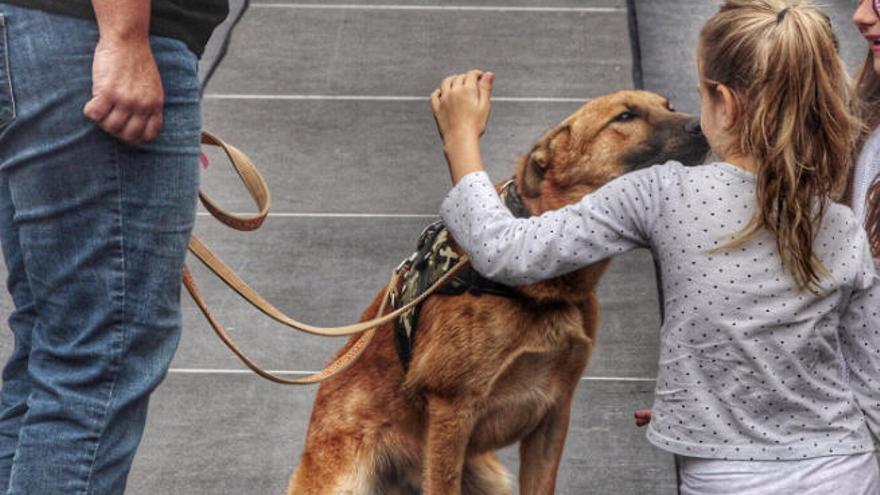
359,156
361,51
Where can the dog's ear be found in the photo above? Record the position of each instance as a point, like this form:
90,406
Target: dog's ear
541,158
533,174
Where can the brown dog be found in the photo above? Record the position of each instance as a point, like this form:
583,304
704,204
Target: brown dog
489,371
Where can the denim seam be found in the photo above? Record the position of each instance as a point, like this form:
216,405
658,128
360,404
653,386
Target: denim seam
8,76
117,357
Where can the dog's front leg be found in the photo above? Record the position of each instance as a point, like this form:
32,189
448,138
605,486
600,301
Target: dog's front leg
450,425
541,451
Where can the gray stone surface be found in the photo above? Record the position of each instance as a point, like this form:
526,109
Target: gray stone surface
359,156
403,52
237,435
668,31
215,44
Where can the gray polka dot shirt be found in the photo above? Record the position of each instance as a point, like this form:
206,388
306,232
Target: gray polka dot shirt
750,367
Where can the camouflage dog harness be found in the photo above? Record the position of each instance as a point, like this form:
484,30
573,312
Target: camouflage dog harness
433,258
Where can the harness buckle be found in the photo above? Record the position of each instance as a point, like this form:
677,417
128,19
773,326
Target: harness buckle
406,264
392,298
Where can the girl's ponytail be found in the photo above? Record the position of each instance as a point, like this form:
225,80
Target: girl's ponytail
797,117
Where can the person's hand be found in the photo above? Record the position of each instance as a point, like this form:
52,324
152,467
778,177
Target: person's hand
643,417
127,93
461,105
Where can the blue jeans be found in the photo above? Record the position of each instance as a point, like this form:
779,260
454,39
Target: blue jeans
94,235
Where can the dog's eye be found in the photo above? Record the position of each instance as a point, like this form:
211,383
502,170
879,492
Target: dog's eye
625,117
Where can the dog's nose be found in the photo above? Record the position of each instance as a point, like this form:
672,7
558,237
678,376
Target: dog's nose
693,127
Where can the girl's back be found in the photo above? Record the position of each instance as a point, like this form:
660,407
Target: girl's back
748,359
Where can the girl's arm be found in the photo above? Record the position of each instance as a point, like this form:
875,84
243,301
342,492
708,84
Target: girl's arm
610,221
516,251
860,343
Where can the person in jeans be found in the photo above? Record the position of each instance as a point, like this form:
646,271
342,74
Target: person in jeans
99,167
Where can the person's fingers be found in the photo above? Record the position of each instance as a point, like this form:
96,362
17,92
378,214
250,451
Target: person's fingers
155,105
486,83
154,126
435,100
133,132
97,108
115,122
471,78
643,417
460,80
446,86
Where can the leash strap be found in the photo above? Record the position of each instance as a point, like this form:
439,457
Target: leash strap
250,295
336,366
259,191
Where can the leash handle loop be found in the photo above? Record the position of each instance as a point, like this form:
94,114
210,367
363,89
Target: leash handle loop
253,182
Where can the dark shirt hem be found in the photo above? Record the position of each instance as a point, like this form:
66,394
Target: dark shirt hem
191,21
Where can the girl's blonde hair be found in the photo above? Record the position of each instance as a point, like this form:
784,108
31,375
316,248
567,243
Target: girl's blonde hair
797,117
868,88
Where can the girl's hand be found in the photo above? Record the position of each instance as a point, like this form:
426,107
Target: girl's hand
643,417
461,106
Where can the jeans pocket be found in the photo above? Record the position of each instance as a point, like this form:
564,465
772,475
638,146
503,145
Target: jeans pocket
7,104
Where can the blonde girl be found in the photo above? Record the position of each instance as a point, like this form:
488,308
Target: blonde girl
769,373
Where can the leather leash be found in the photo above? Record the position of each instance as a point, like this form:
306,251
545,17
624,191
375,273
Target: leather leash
259,192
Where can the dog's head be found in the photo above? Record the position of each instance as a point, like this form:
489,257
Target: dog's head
604,139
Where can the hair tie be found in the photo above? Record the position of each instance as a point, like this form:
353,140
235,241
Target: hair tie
781,15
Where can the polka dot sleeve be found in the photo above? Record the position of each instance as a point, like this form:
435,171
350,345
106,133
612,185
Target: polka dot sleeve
614,219
860,342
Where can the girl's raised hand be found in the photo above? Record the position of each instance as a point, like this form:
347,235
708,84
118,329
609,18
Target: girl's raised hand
461,105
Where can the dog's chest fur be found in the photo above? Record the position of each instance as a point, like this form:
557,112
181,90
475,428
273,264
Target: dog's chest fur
516,355
559,340
531,384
